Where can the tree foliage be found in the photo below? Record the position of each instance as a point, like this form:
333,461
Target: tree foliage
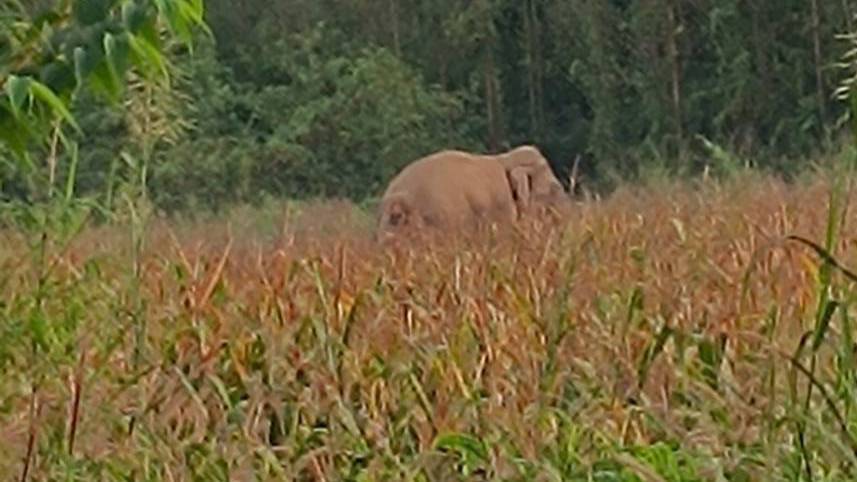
50,50
303,98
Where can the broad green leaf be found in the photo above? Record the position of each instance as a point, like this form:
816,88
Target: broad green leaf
46,95
91,56
18,90
117,52
195,12
105,82
167,9
148,55
174,11
149,30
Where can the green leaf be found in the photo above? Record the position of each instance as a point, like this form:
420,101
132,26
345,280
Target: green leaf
14,132
471,450
711,355
81,70
105,82
635,304
134,15
181,15
656,346
38,330
846,351
823,324
18,90
46,95
148,55
172,13
72,170
110,51
117,50
194,11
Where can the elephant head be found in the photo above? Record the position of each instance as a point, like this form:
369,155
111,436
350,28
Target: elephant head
531,179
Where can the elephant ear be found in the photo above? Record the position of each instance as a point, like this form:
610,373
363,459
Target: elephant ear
520,180
397,212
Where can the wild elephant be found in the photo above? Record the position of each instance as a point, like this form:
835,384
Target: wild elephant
452,189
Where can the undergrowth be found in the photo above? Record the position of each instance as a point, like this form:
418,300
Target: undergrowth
652,336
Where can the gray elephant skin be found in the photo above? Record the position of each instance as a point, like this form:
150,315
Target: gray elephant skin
453,189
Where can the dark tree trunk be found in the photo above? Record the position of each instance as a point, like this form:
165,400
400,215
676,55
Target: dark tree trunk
675,68
491,103
819,75
394,26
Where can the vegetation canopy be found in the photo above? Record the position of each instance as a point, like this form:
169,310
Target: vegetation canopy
303,99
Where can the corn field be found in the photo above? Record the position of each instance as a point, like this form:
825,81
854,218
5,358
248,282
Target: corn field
669,333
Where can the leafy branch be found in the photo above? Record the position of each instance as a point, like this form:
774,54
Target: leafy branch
47,57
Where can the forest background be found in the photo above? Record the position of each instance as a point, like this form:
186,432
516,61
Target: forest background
300,99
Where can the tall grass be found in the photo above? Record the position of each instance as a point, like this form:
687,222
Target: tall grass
661,334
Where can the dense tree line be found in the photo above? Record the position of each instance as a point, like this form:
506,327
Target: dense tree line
299,98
